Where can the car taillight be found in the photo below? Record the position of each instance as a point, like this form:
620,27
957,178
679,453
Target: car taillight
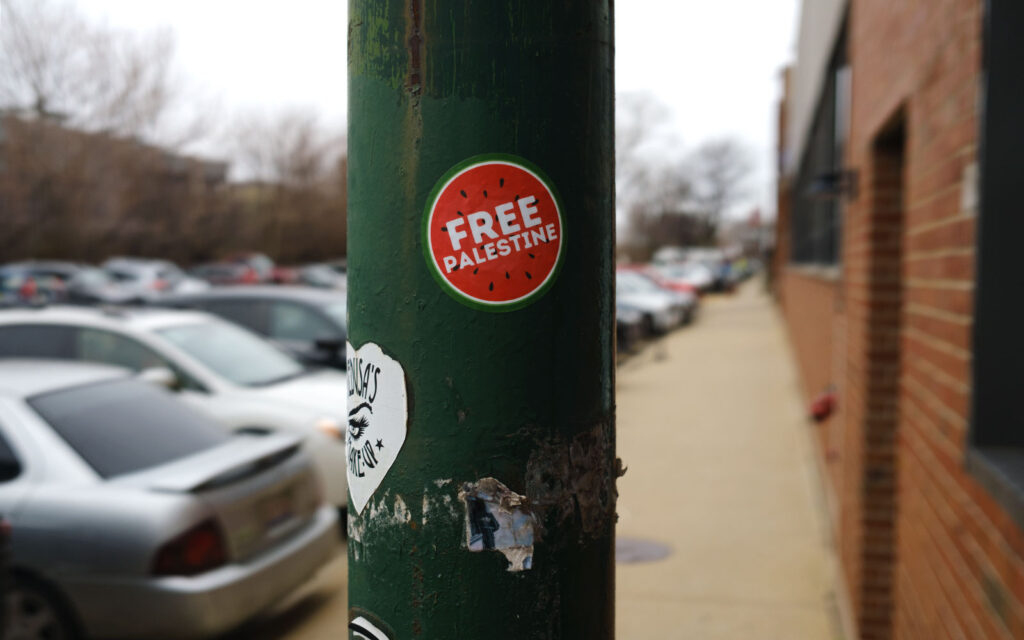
161,285
250,276
199,549
28,290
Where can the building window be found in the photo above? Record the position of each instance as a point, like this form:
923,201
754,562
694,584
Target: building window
996,455
821,182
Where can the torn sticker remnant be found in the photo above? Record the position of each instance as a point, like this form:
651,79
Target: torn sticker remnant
500,519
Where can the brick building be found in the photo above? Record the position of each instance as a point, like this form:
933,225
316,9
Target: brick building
898,274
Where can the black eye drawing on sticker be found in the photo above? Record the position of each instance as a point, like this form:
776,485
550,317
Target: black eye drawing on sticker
359,421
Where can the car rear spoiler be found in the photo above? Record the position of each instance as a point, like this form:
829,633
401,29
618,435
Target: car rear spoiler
239,458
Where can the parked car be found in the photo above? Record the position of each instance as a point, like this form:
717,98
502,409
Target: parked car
265,269
91,285
654,273
722,275
694,274
146,279
629,327
339,265
681,292
322,276
662,310
222,369
36,281
226,273
136,517
310,323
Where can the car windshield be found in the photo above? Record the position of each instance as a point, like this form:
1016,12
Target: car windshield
635,283
234,353
123,275
126,425
338,311
92,278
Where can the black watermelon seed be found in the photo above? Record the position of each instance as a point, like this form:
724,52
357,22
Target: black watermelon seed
475,270
531,255
460,213
463,192
517,197
507,276
456,267
528,276
444,228
485,193
501,182
491,288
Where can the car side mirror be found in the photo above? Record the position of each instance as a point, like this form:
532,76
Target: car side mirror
161,377
330,345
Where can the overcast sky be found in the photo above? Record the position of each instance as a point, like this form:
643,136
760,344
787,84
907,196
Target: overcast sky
713,63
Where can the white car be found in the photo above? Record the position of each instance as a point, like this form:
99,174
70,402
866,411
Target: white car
178,530
662,310
695,274
231,374
144,279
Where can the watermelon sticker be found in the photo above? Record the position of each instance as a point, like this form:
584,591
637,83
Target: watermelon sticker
493,232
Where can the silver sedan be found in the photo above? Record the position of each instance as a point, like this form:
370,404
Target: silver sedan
135,517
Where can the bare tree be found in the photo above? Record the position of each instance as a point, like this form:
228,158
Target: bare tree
293,189
55,64
721,170
291,148
81,107
651,180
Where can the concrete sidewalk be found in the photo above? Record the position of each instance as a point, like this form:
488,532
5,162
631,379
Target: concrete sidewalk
711,427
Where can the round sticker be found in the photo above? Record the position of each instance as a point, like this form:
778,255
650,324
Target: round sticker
493,233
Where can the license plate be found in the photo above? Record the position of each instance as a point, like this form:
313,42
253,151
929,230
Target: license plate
276,510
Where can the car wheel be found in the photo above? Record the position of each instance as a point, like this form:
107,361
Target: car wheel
34,612
650,328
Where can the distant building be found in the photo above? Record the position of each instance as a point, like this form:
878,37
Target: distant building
72,194
898,269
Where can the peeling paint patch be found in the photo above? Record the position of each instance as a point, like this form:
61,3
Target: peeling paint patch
443,482
401,513
572,483
381,513
499,519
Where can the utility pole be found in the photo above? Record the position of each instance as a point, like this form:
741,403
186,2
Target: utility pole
481,348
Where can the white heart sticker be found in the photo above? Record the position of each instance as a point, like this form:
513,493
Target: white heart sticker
378,414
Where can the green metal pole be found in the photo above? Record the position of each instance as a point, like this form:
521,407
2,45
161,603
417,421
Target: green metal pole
481,359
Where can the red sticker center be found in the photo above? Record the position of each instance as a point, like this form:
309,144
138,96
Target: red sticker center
494,233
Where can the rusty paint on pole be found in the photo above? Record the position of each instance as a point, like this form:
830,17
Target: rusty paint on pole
481,309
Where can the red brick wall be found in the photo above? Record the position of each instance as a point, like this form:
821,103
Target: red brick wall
811,301
808,305
927,553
